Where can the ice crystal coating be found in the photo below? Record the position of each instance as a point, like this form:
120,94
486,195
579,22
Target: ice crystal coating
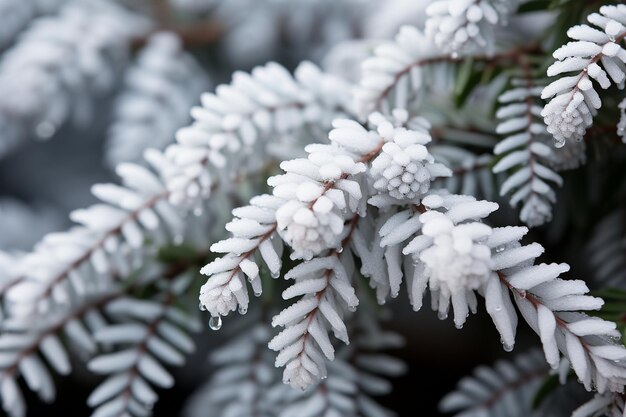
457,261
404,168
593,55
160,88
461,26
312,219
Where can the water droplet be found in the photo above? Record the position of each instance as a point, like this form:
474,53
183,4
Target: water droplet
201,306
275,274
498,308
340,249
257,293
324,377
352,308
442,315
458,325
242,310
522,294
507,347
215,323
559,143
500,249
250,279
612,38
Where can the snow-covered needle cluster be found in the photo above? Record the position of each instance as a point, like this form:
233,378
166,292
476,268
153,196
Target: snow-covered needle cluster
464,26
595,54
289,206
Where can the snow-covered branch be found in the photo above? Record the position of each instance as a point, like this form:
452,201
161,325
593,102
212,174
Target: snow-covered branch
231,123
574,100
148,334
160,88
60,64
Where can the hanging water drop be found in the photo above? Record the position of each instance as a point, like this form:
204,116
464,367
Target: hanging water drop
242,310
442,315
275,274
215,322
507,347
340,249
201,306
559,143
257,293
352,308
458,325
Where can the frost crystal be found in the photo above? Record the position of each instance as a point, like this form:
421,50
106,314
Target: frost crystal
310,230
466,25
457,261
403,168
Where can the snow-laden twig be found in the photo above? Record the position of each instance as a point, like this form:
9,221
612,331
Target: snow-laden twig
359,373
61,64
244,376
506,388
159,89
460,27
235,120
304,344
495,264
111,238
253,229
403,71
16,16
526,154
147,335
574,100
